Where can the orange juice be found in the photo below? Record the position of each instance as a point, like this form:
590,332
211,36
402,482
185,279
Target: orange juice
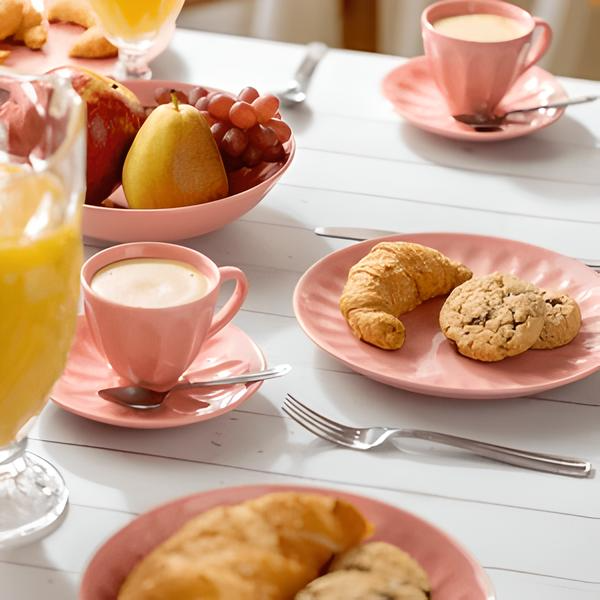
129,20
40,258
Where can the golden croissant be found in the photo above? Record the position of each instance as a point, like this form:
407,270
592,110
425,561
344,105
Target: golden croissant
267,548
394,278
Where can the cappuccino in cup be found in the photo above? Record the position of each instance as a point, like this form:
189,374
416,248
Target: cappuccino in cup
480,27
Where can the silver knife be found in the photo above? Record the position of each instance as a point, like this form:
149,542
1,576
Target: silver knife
357,234
360,234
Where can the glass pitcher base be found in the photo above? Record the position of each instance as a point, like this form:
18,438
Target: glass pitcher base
33,497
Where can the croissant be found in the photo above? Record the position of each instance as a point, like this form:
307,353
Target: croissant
267,548
394,278
91,43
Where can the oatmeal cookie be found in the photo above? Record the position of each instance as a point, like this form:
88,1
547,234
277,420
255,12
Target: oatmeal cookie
562,322
490,318
358,585
381,557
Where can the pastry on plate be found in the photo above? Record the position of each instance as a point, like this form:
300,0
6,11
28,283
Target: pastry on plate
392,279
561,323
493,317
267,548
359,585
71,11
22,22
91,43
381,557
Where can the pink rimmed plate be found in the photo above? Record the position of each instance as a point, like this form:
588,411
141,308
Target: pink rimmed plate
428,363
229,352
247,187
454,574
55,52
415,96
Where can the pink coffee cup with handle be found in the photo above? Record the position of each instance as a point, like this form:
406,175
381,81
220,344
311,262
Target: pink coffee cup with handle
474,76
152,347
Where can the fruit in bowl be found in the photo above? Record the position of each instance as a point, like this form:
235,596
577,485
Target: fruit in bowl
114,116
247,128
118,220
174,160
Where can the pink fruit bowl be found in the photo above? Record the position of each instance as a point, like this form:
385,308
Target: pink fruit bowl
247,188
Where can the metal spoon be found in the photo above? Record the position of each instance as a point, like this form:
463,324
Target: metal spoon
295,93
133,396
485,122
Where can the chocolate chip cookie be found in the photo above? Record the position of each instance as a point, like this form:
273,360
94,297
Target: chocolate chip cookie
359,585
490,318
381,557
562,321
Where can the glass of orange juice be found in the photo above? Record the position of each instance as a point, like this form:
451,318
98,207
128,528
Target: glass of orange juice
42,183
133,26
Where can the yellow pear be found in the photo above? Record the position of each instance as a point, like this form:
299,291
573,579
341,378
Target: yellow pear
173,161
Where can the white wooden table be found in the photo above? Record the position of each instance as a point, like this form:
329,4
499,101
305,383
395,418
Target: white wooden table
357,164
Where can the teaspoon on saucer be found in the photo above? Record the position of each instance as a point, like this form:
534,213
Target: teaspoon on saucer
492,122
139,398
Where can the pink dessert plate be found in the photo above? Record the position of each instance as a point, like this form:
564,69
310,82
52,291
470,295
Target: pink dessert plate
55,52
452,571
229,352
247,187
416,97
428,363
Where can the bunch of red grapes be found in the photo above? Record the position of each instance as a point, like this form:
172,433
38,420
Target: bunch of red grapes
247,128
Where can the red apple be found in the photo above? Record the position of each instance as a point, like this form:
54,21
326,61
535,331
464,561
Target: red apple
114,115
24,126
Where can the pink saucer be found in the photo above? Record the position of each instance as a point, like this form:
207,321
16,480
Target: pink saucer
229,352
55,52
415,96
247,188
454,574
428,363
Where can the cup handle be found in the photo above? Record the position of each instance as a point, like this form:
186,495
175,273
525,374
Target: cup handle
233,305
541,45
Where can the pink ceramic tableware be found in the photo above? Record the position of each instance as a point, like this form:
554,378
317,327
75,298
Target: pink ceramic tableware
229,352
152,347
428,363
415,96
247,187
55,52
454,574
474,76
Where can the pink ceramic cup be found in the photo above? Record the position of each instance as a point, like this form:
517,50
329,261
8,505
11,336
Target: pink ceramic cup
152,347
474,76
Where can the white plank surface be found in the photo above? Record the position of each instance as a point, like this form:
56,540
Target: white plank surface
359,165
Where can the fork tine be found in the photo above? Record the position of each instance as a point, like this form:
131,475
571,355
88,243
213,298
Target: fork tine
313,430
318,416
313,422
330,433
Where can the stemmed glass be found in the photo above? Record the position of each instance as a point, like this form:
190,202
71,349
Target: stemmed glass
42,184
133,26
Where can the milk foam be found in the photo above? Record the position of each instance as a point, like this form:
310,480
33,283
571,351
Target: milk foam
150,283
480,27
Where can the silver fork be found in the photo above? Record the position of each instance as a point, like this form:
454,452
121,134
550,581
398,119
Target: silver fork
365,438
